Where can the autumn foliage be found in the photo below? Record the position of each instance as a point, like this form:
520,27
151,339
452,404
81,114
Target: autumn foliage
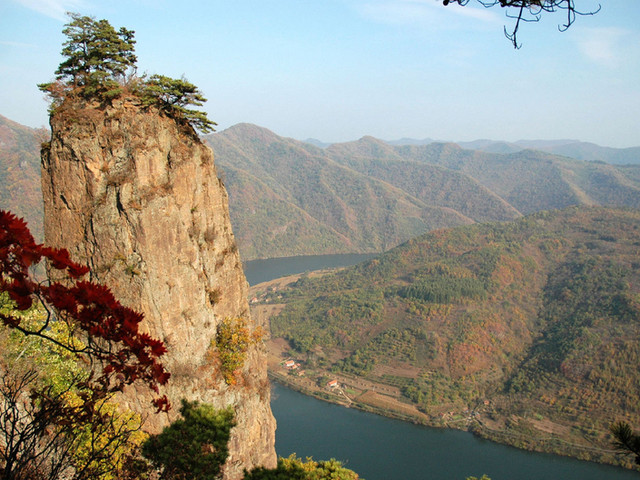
233,340
100,329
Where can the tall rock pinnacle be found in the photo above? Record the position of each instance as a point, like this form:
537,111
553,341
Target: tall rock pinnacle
135,195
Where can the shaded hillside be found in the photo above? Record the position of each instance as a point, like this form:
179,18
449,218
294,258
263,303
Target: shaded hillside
369,195
533,324
20,172
293,198
332,207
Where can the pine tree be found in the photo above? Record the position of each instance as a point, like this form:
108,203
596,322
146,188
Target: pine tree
97,59
94,50
174,96
625,441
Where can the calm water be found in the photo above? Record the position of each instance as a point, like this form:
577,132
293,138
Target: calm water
258,271
380,448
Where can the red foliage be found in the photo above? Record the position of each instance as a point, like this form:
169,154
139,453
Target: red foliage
108,330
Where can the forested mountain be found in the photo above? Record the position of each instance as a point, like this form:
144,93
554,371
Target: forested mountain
533,325
293,198
20,172
289,197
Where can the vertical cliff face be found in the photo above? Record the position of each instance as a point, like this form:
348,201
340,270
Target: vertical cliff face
135,196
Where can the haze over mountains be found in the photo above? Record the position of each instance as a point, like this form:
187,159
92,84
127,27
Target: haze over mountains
292,198
568,148
289,197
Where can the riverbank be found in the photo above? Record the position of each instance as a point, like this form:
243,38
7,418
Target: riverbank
492,418
381,448
309,378
370,399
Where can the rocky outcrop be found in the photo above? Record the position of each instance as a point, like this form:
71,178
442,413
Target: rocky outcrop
135,195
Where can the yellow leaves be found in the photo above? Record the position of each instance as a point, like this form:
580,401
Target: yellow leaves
232,341
108,436
108,439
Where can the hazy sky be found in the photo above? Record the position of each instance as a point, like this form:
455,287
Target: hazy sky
340,69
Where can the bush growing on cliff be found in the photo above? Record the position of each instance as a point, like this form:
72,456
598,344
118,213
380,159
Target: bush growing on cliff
232,342
174,96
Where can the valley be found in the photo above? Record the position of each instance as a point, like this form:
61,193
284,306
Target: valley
490,341
519,326
441,282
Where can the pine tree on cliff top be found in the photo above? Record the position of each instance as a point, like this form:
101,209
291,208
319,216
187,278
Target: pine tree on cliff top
100,63
95,52
173,95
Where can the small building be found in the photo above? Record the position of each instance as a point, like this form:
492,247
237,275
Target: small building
333,383
290,364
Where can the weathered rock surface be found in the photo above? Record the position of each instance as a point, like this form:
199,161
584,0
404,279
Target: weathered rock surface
135,196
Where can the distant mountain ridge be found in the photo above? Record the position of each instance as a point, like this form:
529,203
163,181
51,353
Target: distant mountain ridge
569,148
289,197
572,148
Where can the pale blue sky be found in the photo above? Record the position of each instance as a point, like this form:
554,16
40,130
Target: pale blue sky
340,69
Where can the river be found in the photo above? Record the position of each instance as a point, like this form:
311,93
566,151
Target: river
380,448
258,271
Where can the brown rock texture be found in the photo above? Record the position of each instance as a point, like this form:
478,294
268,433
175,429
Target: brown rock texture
135,195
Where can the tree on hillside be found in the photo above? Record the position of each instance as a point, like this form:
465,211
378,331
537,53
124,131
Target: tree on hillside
97,57
530,11
66,348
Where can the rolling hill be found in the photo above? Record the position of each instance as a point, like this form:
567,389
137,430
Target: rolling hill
532,325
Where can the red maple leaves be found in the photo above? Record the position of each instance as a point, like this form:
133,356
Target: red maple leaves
100,328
